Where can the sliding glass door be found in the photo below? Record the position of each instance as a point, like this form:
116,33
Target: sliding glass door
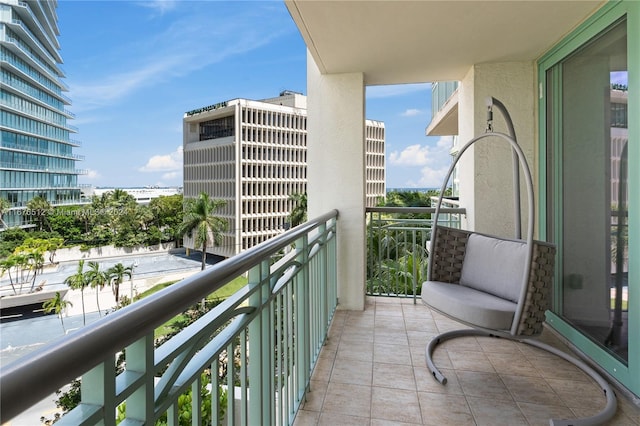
586,145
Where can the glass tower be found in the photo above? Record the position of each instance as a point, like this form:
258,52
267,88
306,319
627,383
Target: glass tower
36,151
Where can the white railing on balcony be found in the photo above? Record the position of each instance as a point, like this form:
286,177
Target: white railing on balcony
259,345
397,247
440,94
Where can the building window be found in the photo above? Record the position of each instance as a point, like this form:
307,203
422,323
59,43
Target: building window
619,115
218,128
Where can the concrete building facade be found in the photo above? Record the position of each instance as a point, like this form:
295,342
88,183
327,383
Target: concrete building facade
36,151
253,155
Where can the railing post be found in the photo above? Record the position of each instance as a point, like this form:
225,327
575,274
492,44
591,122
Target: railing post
139,356
323,291
260,347
414,273
98,388
302,309
332,271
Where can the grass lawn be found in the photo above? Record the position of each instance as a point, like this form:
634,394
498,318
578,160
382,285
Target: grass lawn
223,293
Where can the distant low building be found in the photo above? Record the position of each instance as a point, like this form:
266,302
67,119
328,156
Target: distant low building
253,154
143,195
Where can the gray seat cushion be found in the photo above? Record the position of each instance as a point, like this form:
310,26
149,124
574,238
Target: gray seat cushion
494,266
469,305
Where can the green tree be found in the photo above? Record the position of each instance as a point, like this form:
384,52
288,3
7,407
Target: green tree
96,279
42,245
86,216
78,281
120,198
168,215
201,224
57,305
67,222
53,246
6,266
298,214
26,263
35,260
40,208
116,275
5,205
10,239
111,216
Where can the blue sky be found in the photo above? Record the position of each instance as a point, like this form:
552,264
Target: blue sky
134,68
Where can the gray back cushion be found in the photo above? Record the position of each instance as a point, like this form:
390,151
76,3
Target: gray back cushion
494,266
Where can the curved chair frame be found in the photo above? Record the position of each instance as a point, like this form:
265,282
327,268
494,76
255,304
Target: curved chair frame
515,333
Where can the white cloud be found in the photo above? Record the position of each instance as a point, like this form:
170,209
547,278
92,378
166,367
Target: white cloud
412,112
434,160
92,174
96,94
160,6
413,155
187,45
164,162
432,178
171,176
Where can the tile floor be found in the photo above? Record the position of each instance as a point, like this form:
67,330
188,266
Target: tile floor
372,372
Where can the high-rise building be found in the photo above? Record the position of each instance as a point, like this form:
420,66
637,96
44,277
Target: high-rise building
253,155
36,151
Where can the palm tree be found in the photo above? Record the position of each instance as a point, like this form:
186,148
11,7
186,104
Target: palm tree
41,208
5,205
36,261
200,223
78,281
23,263
5,266
57,305
298,214
96,279
116,274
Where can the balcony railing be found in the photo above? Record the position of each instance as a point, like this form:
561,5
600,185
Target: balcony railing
397,247
440,94
265,338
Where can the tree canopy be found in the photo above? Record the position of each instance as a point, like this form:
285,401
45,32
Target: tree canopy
114,218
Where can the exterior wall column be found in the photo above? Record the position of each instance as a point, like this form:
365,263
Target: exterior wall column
336,170
485,170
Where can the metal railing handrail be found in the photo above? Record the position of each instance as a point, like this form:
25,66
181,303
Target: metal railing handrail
42,372
397,247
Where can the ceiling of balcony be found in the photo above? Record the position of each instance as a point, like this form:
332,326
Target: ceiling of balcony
396,42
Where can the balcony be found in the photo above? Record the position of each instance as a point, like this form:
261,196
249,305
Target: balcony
315,364
444,109
372,371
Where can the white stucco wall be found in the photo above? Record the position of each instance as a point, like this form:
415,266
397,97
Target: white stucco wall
336,170
485,171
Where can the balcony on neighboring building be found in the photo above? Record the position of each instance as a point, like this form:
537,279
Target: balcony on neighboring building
444,109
